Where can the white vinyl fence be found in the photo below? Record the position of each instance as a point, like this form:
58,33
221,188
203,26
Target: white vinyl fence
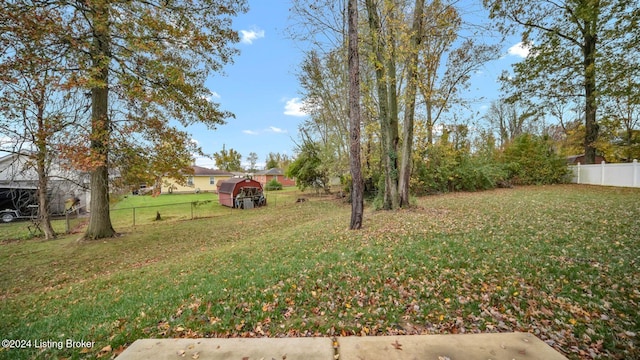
625,175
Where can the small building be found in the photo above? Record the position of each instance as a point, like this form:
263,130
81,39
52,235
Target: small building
202,180
242,193
17,171
263,177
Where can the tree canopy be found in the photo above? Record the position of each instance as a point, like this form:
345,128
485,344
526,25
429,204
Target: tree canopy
578,51
228,160
141,64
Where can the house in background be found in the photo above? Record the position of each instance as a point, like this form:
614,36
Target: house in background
263,177
202,180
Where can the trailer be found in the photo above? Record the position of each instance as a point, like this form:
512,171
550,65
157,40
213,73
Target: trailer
241,193
18,202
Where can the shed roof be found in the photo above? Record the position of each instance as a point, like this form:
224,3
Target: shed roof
227,186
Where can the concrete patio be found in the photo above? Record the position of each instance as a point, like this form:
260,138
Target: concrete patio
507,346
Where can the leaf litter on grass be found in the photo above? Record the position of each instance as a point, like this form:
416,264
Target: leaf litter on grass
507,260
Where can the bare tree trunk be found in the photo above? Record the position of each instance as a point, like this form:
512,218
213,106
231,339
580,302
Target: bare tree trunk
44,217
410,99
357,190
393,137
381,88
591,124
387,106
100,220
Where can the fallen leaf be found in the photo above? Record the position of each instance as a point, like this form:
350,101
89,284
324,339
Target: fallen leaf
397,345
104,351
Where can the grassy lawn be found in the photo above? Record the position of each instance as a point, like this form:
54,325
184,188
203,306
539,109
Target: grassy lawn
560,262
130,211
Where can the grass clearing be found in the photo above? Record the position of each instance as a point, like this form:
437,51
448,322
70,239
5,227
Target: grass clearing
558,261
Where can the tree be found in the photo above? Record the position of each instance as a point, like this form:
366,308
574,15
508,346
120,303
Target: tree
160,152
357,187
384,63
509,120
569,42
277,160
410,100
307,168
228,160
324,79
35,108
139,61
253,160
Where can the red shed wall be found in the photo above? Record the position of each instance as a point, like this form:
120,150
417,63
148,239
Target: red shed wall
225,199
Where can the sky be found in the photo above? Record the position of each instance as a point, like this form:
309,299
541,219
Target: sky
262,90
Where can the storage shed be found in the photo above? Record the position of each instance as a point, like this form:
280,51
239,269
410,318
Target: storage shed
242,193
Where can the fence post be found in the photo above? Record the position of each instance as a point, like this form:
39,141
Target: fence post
602,172
635,172
579,171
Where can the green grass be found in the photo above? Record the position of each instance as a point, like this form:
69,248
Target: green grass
130,211
24,229
559,261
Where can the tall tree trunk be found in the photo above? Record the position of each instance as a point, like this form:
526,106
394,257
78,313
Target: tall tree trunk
44,218
392,173
100,220
410,99
354,119
387,105
377,42
591,124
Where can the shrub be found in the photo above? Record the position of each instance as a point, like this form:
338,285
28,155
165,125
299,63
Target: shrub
531,160
273,185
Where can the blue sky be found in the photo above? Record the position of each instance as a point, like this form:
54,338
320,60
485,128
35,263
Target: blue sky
262,90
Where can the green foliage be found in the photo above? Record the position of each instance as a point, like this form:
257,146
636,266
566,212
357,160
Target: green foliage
531,159
273,185
228,160
450,166
277,160
308,168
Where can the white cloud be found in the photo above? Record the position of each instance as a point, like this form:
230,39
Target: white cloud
294,107
212,95
277,130
519,50
250,132
248,36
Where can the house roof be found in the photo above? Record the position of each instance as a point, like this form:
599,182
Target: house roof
202,171
272,171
